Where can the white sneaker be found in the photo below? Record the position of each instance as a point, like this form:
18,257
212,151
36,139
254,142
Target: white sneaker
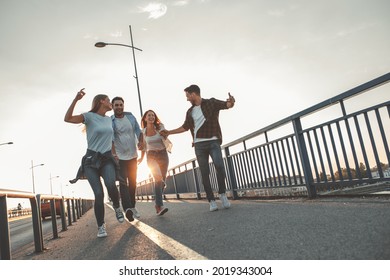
224,200
102,231
213,206
136,214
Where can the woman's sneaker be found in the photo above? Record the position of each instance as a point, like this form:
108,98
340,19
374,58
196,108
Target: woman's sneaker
119,215
213,206
224,200
102,231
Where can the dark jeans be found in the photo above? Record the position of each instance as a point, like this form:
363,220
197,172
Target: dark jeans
105,169
158,164
127,186
203,151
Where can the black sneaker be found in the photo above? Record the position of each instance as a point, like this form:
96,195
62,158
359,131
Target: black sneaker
129,215
162,211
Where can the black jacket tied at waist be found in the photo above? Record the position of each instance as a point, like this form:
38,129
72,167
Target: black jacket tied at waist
95,160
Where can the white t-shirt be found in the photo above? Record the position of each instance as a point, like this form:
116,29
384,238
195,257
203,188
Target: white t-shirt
124,139
99,132
154,142
199,120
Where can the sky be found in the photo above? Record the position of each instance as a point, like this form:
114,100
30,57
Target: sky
275,57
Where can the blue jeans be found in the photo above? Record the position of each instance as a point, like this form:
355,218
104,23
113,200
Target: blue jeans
128,172
106,169
204,150
158,164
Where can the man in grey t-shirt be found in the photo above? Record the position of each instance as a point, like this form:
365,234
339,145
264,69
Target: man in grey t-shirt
126,136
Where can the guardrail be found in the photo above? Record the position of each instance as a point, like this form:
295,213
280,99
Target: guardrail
347,151
75,208
13,213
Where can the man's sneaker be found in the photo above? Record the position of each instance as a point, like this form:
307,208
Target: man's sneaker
213,206
136,214
224,200
102,231
162,211
119,215
129,215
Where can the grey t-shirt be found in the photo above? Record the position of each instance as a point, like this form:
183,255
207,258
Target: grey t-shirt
99,132
124,139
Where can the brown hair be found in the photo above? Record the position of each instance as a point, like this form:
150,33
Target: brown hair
157,122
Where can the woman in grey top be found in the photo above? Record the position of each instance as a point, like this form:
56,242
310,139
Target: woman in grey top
98,160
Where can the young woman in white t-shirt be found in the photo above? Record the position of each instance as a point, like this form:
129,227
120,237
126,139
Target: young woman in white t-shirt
156,155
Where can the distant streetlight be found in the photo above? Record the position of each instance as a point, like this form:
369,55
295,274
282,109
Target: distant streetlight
32,173
51,184
103,44
7,143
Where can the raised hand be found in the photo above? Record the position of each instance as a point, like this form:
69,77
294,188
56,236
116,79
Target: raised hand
80,94
231,100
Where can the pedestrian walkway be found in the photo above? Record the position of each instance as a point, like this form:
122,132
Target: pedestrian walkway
292,229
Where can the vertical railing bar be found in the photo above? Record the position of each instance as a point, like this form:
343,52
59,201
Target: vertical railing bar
362,147
373,145
286,162
344,151
244,171
281,162
313,156
259,165
255,173
238,160
213,177
271,164
320,155
276,162
335,153
291,159
327,153
294,144
266,166
384,140
250,168
353,149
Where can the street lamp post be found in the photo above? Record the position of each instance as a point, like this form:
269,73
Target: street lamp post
6,143
51,184
103,44
32,173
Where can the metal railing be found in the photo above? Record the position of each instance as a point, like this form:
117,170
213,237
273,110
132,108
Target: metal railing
349,150
74,209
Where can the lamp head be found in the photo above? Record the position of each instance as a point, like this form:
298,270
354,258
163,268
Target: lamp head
100,44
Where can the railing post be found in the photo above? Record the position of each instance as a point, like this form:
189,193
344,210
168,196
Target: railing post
74,210
5,245
174,183
53,218
196,181
304,158
63,215
37,223
69,211
231,174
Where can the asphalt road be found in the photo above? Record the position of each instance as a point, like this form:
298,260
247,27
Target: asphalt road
285,229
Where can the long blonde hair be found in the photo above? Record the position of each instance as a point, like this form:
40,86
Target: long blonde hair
96,102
